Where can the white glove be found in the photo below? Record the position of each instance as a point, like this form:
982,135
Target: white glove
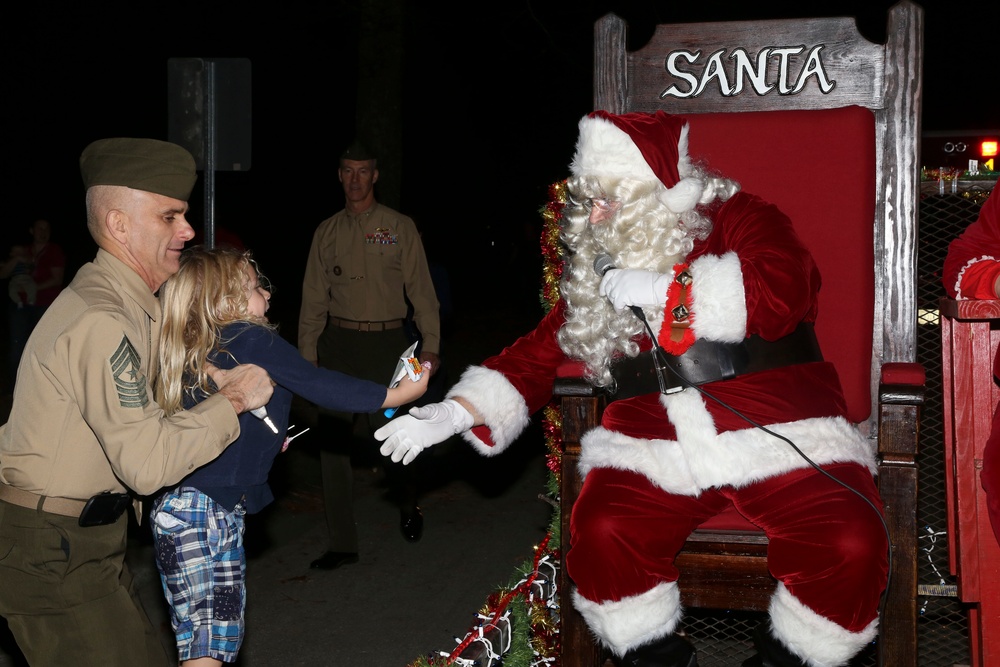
635,287
407,436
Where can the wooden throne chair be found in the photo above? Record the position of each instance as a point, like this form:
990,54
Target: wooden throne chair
824,123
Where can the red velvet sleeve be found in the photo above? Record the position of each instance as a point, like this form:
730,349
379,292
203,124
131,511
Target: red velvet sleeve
530,363
972,264
780,278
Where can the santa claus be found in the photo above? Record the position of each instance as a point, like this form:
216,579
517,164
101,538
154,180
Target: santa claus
693,302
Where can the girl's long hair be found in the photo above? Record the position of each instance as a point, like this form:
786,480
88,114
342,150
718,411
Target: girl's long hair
207,293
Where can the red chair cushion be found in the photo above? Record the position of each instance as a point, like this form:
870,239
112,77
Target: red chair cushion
818,167
904,373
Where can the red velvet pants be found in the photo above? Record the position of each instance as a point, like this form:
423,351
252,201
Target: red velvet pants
827,544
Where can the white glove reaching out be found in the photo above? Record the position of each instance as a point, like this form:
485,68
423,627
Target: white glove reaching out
407,436
635,287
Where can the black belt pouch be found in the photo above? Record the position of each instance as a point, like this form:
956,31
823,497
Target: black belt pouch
104,508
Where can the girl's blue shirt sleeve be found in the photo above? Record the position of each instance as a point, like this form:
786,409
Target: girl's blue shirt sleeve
250,343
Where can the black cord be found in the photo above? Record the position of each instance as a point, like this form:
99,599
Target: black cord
660,361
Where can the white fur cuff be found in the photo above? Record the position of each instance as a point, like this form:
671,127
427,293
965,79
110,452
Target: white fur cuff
633,621
499,404
817,640
718,299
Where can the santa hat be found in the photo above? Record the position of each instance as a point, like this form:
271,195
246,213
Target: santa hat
641,146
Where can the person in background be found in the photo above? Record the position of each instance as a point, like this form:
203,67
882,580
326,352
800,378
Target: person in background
364,264
37,271
972,271
85,436
21,290
671,265
215,313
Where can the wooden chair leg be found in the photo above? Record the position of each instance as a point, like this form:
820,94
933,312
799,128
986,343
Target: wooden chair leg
898,425
579,647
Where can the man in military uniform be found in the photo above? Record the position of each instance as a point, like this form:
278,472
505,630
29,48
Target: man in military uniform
363,265
84,432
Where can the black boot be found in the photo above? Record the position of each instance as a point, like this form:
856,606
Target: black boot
770,651
670,651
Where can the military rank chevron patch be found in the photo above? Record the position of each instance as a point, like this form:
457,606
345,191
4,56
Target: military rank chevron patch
129,380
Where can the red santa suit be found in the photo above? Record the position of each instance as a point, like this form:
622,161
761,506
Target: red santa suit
661,464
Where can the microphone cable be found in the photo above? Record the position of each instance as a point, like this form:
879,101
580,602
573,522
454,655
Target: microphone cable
660,361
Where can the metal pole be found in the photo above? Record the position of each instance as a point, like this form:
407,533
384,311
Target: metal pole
209,112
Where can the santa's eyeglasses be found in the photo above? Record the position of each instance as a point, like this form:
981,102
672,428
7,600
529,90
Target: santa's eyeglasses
600,203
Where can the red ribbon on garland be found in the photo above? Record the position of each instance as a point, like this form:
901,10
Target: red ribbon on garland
504,602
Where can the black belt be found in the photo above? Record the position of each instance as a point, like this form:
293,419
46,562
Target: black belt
708,361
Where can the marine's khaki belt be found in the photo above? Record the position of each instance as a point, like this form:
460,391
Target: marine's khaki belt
366,326
21,498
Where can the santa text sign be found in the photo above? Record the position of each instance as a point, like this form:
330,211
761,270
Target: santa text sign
775,69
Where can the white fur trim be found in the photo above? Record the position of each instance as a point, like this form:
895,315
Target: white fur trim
817,640
500,405
683,158
633,621
605,151
684,196
662,461
718,300
961,273
701,458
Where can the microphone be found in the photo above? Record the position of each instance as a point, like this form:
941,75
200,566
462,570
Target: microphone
603,264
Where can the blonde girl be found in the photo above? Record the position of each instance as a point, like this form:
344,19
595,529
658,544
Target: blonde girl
215,312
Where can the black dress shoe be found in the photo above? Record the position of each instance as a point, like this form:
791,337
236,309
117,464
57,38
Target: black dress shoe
770,651
669,651
331,560
411,524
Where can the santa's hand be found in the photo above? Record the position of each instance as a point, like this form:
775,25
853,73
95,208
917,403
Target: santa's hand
635,287
407,436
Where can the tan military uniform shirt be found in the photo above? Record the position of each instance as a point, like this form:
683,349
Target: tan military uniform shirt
83,419
358,269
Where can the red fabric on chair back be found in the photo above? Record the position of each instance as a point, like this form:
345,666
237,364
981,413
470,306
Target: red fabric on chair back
818,167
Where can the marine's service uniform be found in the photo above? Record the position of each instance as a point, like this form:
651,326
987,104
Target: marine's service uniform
360,272
83,422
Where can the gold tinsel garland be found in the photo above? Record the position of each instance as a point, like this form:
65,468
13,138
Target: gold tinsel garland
552,249
552,268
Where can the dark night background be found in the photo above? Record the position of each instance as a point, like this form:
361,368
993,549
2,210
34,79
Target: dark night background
491,97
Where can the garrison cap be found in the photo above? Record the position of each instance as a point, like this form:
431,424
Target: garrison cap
142,164
357,151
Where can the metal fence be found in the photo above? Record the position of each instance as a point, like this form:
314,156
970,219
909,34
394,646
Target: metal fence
946,209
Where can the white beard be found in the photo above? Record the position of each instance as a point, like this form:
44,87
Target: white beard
643,234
